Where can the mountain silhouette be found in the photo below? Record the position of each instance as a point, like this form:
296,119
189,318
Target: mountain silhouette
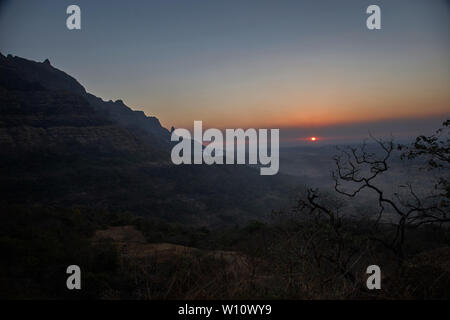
63,95
62,146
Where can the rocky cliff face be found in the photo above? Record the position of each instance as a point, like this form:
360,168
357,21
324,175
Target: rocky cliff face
40,74
149,129
61,146
44,109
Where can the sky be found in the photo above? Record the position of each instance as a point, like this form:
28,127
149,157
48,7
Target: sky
306,67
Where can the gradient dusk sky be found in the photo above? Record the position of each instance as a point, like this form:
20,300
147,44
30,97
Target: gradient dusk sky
308,67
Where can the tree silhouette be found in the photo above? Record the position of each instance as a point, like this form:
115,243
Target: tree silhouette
357,170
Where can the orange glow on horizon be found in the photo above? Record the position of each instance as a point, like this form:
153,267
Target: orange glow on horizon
313,138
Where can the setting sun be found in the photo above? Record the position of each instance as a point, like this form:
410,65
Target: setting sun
313,138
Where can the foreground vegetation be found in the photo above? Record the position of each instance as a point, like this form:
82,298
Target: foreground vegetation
286,259
314,251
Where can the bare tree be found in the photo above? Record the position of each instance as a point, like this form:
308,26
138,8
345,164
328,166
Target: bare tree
338,246
330,228
435,150
357,170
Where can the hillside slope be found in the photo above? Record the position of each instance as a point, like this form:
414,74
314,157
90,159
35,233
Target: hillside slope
62,146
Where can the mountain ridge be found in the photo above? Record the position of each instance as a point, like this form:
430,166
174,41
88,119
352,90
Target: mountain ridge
63,147
21,74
